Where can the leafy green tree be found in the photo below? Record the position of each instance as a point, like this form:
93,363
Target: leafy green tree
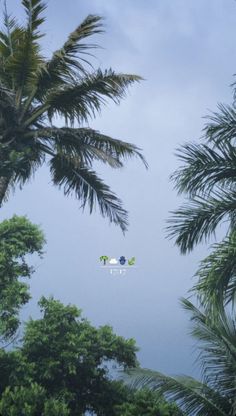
18,238
207,177
35,90
216,393
69,359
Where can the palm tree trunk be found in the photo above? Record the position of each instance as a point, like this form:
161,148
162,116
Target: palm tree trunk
4,182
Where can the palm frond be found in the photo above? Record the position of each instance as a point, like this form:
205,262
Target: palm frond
10,37
197,220
217,274
10,24
68,62
34,10
82,101
24,58
89,145
192,396
74,178
205,167
217,336
222,125
9,43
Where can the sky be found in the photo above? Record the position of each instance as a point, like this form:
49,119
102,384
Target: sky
185,51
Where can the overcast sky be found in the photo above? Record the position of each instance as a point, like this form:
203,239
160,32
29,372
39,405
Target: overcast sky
185,50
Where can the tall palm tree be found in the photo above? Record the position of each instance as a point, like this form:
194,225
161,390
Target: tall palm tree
215,395
35,90
208,178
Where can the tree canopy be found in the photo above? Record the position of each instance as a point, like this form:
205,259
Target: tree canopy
64,358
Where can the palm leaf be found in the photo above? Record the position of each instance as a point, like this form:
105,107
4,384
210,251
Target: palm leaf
10,36
73,177
197,220
217,274
193,397
24,59
68,62
217,356
88,145
205,167
34,10
10,24
82,101
222,125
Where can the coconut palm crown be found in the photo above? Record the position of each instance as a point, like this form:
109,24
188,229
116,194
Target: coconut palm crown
35,90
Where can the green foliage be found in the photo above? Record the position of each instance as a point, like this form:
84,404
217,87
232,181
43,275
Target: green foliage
21,401
216,284
68,361
198,219
30,400
18,238
35,90
146,403
53,407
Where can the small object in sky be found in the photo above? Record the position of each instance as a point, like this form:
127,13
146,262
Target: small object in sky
104,259
122,260
113,261
131,261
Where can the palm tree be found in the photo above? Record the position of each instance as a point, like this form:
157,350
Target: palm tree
35,90
215,395
208,178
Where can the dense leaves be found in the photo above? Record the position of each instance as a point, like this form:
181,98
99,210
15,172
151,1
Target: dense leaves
18,237
146,403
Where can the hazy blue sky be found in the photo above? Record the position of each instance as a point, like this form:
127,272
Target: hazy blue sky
185,50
